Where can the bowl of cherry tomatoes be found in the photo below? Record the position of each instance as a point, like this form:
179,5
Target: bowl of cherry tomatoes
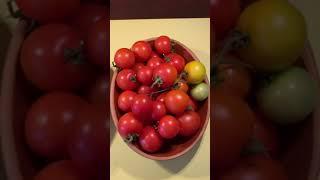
54,119
159,98
266,93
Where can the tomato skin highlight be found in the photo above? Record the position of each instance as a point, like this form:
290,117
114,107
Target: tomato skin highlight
145,90
150,140
144,75
129,124
142,51
138,66
163,45
168,127
166,73
154,62
126,79
142,108
124,58
190,123
177,61
158,110
125,100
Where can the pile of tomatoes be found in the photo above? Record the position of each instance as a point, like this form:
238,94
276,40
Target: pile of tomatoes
159,92
64,57
258,87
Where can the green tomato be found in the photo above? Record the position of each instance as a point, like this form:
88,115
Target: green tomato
277,34
200,92
290,97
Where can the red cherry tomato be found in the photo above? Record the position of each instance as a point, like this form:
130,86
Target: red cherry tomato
161,97
190,123
142,107
192,105
154,62
89,140
142,50
96,42
144,75
125,100
124,58
137,66
158,110
153,55
183,86
126,79
176,101
49,122
62,170
163,45
129,125
169,127
45,63
97,93
177,61
165,75
87,15
145,90
150,141
48,10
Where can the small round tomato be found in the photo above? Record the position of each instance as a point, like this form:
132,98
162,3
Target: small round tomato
176,60
163,45
168,127
49,122
96,43
145,90
137,66
161,97
153,55
97,92
124,58
129,126
196,72
165,75
88,142
142,50
48,10
150,141
154,62
176,101
142,107
45,62
200,92
158,110
62,170
189,123
126,79
125,100
144,75
183,86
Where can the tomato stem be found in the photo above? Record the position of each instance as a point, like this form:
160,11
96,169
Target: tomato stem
158,81
131,138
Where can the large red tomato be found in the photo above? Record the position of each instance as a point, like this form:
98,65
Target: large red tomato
142,50
189,123
129,126
127,79
165,75
142,108
176,101
49,122
150,140
48,62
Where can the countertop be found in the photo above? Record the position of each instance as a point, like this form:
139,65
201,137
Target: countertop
195,165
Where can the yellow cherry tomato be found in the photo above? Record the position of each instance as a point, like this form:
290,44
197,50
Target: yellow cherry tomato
196,72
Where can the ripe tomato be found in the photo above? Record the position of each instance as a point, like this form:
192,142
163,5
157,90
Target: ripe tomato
196,72
126,79
224,14
233,122
176,101
163,45
168,127
49,122
233,78
48,10
158,110
88,142
96,42
137,66
62,170
142,51
153,54
144,75
257,168
165,75
161,97
45,62
145,90
176,60
97,92
154,62
282,43
124,58
183,86
150,141
129,126
189,123
87,15
125,100
192,105
142,107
